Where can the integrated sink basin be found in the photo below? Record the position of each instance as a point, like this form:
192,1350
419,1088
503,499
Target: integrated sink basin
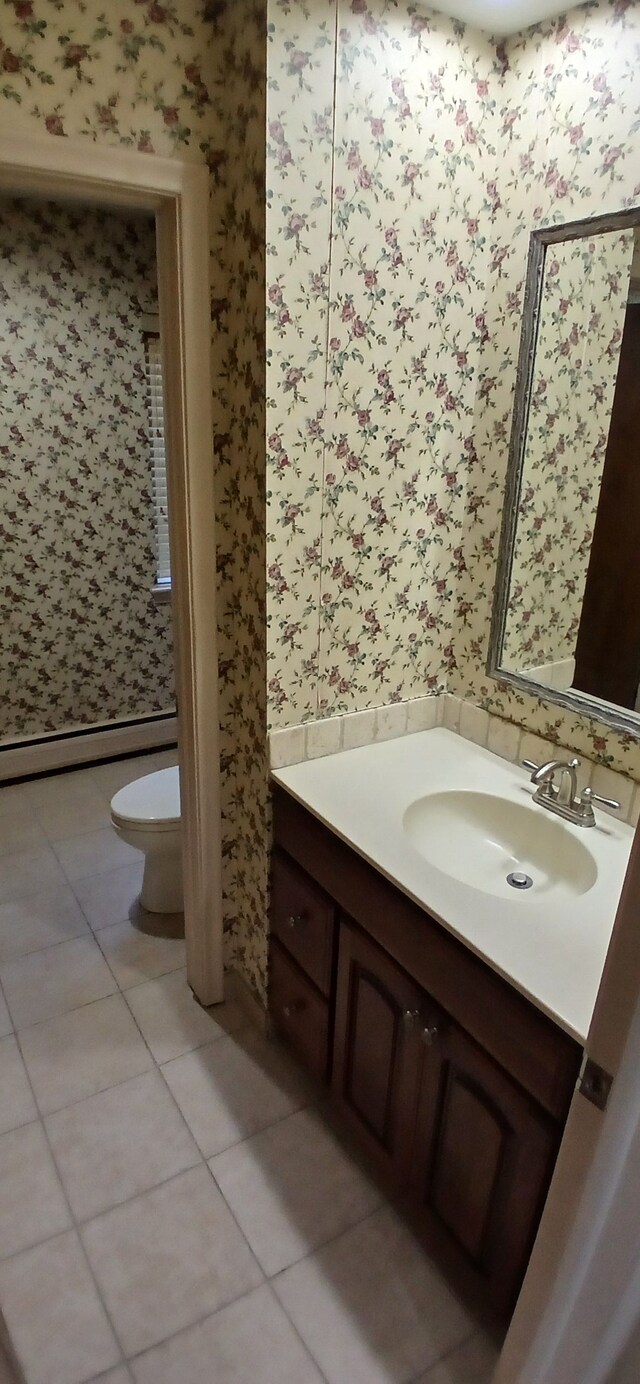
446,821
481,840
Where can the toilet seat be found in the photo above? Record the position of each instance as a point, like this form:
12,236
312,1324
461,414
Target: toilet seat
151,803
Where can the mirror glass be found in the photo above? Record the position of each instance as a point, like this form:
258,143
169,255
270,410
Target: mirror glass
567,615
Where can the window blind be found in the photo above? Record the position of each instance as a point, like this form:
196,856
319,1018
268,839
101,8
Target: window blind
155,411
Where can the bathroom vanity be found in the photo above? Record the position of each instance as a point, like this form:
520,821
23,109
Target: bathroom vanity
447,1018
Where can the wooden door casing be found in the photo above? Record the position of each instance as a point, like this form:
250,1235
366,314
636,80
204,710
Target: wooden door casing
483,1157
376,1067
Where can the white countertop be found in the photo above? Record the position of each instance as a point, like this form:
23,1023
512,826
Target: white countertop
552,950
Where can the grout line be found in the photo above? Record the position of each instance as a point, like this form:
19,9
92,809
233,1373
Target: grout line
298,1333
199,1321
74,1228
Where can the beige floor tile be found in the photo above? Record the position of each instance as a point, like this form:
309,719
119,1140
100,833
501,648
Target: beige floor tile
135,956
74,816
6,1025
32,1203
93,853
53,981
119,1143
292,1188
78,1054
472,1363
29,872
40,920
58,788
17,1106
249,1342
234,1087
19,831
107,898
168,1258
371,1307
56,1323
171,1019
14,797
119,1376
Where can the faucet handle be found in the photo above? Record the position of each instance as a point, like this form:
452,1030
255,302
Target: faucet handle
588,796
529,764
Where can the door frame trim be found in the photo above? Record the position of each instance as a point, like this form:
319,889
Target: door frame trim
176,191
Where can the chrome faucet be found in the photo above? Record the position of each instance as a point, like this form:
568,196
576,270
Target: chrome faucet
563,797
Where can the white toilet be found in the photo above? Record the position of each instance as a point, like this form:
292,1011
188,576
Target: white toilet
146,814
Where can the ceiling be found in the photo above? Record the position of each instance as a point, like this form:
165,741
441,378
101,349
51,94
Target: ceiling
500,16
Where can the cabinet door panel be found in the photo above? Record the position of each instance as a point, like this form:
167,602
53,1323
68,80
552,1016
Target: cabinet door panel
377,1057
469,1123
302,918
482,1162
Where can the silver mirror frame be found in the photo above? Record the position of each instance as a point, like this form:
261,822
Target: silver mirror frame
577,702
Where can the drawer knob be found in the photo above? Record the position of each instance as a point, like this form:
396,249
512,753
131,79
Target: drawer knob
294,920
430,1034
296,1007
409,1019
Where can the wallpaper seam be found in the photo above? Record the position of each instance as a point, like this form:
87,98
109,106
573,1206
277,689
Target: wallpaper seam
319,679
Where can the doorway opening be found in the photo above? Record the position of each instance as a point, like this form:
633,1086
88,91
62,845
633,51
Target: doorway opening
175,193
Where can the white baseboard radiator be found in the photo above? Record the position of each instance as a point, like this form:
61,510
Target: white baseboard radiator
85,745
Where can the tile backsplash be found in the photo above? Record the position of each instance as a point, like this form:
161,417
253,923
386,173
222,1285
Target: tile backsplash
335,733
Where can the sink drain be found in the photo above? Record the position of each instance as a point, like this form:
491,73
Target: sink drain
517,880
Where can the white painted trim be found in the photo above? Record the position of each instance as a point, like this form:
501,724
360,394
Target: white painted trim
178,192
20,761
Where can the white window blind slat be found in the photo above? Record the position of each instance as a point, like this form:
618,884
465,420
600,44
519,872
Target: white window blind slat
155,414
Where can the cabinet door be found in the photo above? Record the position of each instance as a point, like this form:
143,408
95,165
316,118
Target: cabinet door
482,1161
377,1056
302,918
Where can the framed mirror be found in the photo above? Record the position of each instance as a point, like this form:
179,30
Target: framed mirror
566,619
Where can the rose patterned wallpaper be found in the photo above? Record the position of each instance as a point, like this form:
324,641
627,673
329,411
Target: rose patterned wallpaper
379,144
83,641
189,79
408,160
568,120
581,322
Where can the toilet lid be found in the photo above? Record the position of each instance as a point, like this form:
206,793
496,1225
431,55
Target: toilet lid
150,801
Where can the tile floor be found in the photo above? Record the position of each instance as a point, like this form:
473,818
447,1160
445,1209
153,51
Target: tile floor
173,1205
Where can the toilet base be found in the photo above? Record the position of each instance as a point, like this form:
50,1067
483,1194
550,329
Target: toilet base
162,882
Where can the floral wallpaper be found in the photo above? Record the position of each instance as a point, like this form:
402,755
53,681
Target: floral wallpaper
83,641
567,111
189,79
581,322
393,334
375,326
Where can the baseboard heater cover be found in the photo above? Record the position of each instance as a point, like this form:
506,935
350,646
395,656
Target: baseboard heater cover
85,747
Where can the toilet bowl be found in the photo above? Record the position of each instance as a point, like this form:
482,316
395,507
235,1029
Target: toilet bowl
146,814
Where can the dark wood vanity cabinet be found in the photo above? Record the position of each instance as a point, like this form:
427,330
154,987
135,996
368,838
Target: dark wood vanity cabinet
454,1085
376,1068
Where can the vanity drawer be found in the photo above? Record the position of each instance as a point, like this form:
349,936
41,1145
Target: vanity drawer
303,920
298,1012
